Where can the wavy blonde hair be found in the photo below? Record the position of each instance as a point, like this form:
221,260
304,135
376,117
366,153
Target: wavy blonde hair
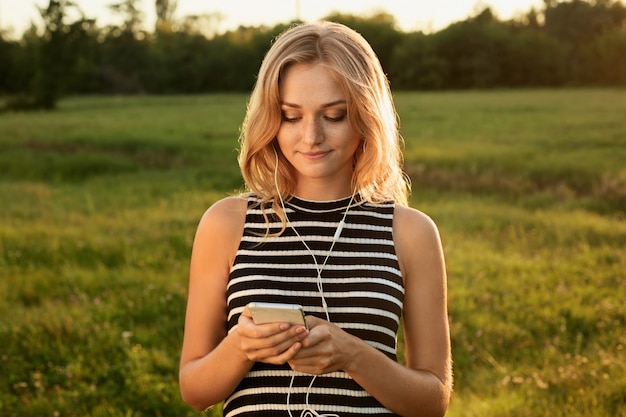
378,174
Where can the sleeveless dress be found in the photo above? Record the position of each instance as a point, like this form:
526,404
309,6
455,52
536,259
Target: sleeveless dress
361,283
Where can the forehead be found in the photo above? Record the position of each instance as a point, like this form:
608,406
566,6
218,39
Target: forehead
310,83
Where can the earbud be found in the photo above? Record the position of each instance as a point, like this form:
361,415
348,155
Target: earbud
338,231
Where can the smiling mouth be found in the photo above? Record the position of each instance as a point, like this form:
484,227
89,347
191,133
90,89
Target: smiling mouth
315,155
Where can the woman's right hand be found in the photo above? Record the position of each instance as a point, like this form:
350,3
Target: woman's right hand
274,343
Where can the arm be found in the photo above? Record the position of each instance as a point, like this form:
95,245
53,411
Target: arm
207,350
213,362
423,387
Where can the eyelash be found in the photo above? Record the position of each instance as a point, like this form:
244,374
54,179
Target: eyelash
336,119
330,119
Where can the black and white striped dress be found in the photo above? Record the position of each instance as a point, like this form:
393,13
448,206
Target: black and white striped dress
362,285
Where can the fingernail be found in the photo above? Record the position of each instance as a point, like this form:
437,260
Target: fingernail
284,326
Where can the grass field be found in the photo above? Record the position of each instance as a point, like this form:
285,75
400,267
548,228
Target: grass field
99,202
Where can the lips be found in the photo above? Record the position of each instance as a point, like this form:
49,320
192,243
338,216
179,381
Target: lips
315,155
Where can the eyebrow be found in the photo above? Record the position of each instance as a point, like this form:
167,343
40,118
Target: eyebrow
324,106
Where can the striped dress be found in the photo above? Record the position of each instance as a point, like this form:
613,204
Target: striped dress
362,285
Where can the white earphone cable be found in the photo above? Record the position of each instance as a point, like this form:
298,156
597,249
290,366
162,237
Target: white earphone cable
308,411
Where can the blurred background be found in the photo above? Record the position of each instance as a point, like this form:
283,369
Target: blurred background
55,48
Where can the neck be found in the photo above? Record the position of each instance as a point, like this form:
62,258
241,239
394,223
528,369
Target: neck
323,191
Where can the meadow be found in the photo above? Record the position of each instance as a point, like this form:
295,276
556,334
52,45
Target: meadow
99,201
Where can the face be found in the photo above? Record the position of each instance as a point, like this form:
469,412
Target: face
315,134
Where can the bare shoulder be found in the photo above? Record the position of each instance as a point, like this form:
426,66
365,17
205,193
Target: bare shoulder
221,227
411,224
416,238
229,211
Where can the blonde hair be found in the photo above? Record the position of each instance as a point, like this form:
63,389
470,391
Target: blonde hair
378,174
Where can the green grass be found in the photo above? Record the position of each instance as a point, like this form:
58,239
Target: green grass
99,202
570,144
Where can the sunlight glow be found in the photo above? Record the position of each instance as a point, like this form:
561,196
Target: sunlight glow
16,15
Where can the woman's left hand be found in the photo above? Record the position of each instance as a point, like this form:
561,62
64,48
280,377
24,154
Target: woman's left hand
327,348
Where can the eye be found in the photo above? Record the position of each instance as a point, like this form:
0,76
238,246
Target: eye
336,118
289,119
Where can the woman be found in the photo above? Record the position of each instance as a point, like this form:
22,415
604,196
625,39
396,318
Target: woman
327,226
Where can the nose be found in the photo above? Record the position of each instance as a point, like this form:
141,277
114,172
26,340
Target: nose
312,132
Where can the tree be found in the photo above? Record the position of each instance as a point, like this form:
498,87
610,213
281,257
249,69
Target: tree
416,64
473,51
8,50
206,24
533,59
604,60
570,42
125,53
133,17
53,57
165,10
85,51
577,23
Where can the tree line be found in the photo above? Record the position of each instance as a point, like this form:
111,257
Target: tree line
565,43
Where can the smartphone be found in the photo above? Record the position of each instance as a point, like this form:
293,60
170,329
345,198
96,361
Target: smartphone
277,312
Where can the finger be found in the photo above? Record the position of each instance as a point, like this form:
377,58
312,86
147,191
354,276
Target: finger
272,345
259,348
308,367
279,359
247,327
312,321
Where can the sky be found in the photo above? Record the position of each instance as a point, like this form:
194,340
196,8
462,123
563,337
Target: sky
424,15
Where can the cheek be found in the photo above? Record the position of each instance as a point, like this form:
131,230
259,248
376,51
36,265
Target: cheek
342,133
286,139
286,132
281,138
352,137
